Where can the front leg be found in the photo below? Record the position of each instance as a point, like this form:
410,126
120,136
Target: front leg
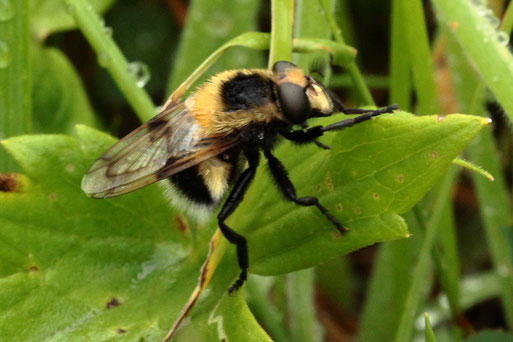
232,202
311,134
287,189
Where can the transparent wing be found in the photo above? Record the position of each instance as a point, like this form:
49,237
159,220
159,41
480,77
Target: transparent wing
168,143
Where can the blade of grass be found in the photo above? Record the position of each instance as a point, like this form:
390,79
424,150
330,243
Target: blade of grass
430,335
389,283
400,79
422,265
495,209
492,196
304,326
475,289
507,19
111,57
448,265
417,42
264,310
282,21
449,261
338,281
483,45
15,75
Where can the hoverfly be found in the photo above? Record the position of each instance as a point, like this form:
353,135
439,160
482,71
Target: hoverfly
200,146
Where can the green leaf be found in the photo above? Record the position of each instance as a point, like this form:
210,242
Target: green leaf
49,16
67,261
228,320
430,335
490,336
59,98
74,268
373,172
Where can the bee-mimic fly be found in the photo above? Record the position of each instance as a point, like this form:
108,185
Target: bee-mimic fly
200,146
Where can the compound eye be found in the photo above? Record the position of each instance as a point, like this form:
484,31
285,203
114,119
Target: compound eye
281,66
294,102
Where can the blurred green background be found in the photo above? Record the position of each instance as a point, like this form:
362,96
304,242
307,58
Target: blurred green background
420,64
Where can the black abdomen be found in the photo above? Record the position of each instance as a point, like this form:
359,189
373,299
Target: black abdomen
205,184
190,183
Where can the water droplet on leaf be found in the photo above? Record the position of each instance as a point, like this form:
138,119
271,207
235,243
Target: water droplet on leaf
108,30
492,19
140,72
103,59
503,38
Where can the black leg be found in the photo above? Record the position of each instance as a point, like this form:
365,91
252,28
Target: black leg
366,115
311,134
232,202
287,188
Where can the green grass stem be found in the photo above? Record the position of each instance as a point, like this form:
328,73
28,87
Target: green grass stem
15,75
110,56
282,21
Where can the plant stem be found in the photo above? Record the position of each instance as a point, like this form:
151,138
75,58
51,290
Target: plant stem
352,68
417,42
400,74
281,31
111,57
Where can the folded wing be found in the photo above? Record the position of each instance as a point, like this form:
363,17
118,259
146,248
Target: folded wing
170,142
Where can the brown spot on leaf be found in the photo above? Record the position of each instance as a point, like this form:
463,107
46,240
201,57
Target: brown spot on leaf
375,196
70,168
329,182
434,155
120,331
400,178
318,188
357,210
8,182
33,268
454,25
112,303
52,197
181,224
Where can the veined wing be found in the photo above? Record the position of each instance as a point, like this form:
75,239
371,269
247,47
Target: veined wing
168,143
